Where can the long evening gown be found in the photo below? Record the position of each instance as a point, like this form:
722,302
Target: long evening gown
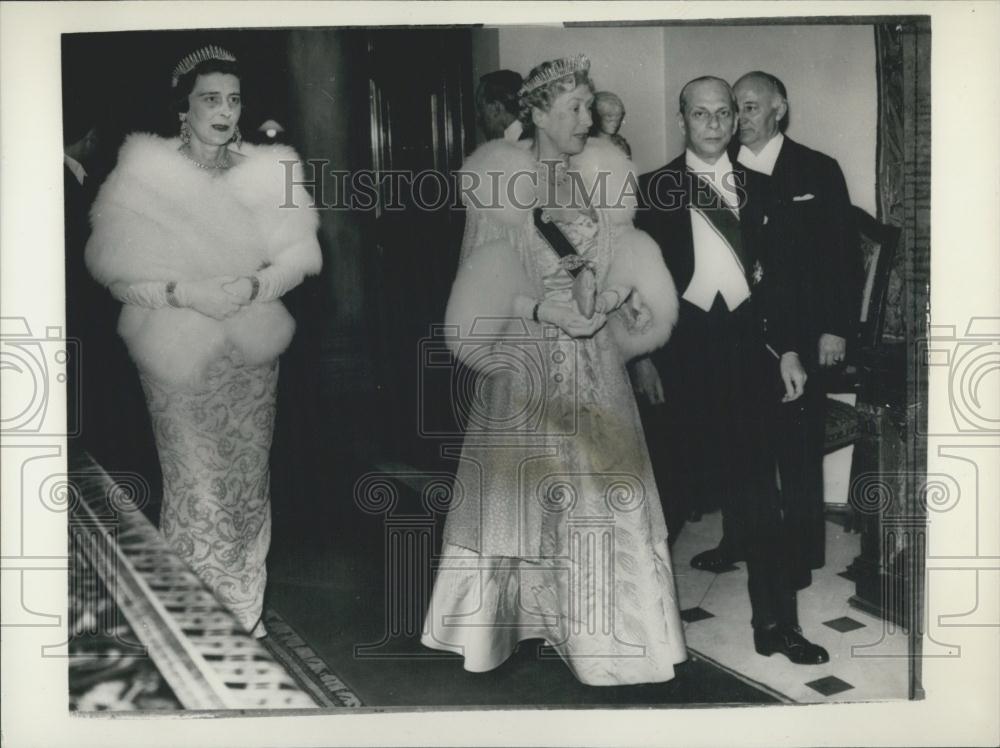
556,529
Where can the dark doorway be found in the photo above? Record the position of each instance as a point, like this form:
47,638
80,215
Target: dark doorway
421,116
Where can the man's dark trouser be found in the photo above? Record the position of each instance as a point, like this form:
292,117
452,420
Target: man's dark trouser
721,386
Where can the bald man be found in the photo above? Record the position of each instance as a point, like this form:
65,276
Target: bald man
731,359
714,286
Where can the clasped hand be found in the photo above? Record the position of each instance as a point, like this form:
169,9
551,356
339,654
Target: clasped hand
566,316
218,297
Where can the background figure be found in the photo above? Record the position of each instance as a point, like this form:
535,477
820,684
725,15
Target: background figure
87,305
519,559
105,406
812,245
496,104
609,113
197,237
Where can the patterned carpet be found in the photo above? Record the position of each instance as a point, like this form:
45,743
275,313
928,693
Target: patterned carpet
311,673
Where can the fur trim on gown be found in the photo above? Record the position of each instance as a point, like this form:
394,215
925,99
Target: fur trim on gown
500,196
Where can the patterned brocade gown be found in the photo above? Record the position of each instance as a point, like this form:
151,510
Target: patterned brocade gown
556,529
214,444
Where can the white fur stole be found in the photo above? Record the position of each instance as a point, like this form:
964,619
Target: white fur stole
158,218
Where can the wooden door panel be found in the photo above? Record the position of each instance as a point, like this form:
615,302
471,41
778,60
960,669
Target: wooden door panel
420,86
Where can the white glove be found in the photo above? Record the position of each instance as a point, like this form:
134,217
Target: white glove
273,283
209,297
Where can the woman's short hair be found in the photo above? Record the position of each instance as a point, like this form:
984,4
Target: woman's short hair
185,83
543,96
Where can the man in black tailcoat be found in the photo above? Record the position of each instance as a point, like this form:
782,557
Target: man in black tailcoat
810,244
730,360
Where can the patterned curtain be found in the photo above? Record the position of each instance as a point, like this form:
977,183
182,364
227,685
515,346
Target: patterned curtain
902,51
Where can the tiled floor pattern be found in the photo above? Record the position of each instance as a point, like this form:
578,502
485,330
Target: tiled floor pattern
867,657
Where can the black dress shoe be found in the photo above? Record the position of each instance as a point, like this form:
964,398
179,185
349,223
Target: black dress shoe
714,560
788,640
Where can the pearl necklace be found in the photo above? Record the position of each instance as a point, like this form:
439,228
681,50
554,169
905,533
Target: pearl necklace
225,164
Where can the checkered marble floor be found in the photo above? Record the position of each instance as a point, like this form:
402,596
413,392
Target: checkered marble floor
868,657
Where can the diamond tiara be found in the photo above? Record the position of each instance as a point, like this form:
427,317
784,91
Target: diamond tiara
559,69
211,52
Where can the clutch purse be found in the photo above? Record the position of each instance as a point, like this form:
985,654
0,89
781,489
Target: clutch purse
585,291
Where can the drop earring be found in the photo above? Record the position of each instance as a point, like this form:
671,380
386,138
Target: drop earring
185,132
237,138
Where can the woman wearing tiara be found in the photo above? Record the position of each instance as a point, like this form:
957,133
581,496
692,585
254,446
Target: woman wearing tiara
555,530
197,236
